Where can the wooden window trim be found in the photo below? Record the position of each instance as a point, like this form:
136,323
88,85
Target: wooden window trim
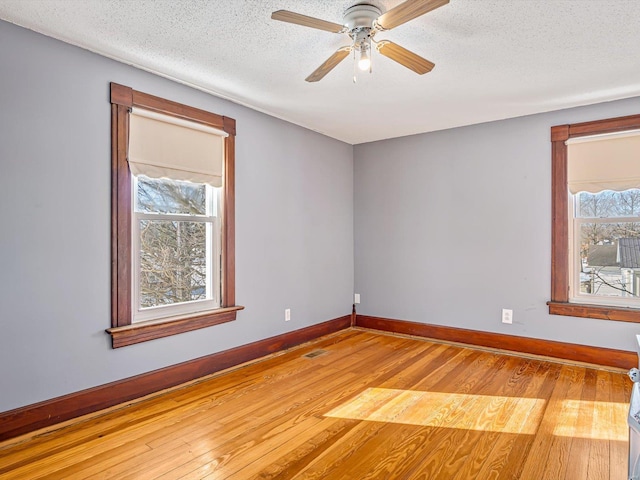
559,304
123,331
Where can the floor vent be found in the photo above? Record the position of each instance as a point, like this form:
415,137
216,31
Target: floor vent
315,353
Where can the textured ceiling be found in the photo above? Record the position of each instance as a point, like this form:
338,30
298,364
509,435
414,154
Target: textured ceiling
494,58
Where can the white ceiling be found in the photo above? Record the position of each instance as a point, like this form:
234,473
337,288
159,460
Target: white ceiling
494,58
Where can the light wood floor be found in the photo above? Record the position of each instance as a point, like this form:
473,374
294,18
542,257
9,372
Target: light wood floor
371,406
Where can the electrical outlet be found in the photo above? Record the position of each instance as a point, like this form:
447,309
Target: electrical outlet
287,314
356,298
507,315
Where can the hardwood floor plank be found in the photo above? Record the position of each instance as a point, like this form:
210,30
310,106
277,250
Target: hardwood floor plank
320,398
440,366
578,465
370,406
493,446
51,466
510,450
451,377
514,450
599,452
144,465
290,464
534,467
557,463
402,357
452,455
79,433
408,371
619,449
438,442
140,419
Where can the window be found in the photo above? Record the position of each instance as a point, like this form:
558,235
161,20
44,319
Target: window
604,248
175,247
596,219
172,218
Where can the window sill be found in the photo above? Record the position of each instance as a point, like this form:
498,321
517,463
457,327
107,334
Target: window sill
145,331
620,314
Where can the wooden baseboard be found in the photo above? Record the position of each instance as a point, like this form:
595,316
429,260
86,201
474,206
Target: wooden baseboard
49,412
568,351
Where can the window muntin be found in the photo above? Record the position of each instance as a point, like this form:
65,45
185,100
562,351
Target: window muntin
176,248
604,248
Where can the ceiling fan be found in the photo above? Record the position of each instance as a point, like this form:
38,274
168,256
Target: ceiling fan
361,22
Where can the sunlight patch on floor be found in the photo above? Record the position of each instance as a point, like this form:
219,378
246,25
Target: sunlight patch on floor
608,420
445,410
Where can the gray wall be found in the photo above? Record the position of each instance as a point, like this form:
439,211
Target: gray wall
294,223
453,226
450,227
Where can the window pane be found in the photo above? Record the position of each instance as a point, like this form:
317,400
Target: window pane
609,204
610,259
171,196
173,262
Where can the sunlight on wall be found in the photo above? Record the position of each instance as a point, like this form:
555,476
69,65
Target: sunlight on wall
595,420
445,410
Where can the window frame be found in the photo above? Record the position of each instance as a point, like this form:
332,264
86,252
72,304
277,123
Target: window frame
561,220
123,331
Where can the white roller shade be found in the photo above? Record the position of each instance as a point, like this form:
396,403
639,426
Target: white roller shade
161,146
604,162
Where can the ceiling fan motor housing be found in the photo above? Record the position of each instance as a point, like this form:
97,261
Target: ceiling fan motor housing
361,16
359,20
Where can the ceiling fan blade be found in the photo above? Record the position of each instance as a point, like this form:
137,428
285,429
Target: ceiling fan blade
329,64
299,19
406,11
405,57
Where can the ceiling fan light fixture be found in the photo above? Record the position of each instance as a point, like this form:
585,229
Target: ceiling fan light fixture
364,63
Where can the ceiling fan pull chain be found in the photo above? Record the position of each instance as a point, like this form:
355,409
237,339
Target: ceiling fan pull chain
355,70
